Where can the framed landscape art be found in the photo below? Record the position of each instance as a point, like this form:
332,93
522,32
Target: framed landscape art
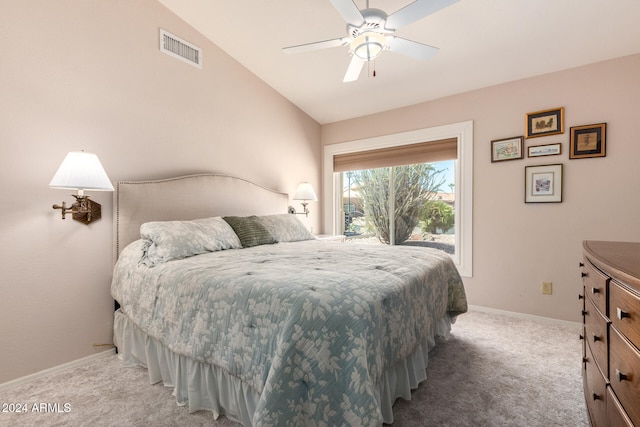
507,149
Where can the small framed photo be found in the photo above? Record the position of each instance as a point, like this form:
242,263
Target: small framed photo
543,184
507,149
546,122
588,141
545,150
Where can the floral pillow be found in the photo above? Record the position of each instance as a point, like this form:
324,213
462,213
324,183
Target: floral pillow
169,240
286,227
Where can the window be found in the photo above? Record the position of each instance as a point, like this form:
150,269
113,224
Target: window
401,205
460,133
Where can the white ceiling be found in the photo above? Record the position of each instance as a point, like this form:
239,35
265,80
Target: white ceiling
482,43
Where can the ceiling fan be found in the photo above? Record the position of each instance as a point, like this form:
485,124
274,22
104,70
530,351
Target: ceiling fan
371,31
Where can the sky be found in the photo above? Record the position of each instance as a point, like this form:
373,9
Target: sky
449,174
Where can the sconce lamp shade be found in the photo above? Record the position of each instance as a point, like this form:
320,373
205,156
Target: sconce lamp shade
305,192
81,171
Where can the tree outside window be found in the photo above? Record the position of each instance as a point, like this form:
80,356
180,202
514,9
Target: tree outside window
414,186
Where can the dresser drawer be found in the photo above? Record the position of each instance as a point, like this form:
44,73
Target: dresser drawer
616,415
624,374
624,309
595,334
595,393
595,286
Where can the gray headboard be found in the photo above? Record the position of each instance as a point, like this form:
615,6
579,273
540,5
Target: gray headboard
185,198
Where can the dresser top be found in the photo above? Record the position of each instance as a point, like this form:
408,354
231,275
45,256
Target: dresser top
621,260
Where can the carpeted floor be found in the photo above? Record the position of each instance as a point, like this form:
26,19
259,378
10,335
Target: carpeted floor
493,371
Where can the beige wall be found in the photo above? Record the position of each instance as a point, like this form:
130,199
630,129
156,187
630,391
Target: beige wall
88,75
516,245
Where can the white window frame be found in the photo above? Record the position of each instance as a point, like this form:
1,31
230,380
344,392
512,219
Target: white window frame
463,131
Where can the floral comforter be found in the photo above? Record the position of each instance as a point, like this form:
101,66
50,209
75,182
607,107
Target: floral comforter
310,325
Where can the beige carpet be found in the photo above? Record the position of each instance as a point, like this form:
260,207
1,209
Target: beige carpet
493,371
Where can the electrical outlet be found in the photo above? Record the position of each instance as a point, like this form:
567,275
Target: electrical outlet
547,288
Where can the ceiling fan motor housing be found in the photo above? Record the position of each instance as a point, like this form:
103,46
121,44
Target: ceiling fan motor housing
374,20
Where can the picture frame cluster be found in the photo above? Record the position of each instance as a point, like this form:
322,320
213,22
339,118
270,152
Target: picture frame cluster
543,182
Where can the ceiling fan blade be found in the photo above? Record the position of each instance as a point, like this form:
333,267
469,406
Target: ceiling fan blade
410,48
354,69
349,11
415,11
317,45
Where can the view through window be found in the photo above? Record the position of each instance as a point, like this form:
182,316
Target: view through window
447,147
401,205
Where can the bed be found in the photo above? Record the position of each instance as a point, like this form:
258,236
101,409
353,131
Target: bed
230,301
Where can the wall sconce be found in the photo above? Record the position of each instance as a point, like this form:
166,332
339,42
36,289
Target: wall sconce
305,193
81,171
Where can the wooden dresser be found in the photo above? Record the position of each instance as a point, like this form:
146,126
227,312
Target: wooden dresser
611,334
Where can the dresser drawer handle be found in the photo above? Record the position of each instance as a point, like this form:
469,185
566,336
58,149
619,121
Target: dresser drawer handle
583,274
580,296
621,376
595,396
622,314
595,290
585,312
581,264
596,338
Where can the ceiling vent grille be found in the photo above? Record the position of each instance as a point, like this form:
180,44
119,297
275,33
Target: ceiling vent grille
181,49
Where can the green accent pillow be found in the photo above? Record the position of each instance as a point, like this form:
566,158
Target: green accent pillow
250,231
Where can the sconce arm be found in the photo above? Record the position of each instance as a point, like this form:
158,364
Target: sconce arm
65,210
84,209
305,210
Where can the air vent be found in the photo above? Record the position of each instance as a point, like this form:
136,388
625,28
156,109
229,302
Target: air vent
181,49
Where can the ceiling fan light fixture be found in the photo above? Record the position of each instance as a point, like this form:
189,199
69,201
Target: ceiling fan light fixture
368,45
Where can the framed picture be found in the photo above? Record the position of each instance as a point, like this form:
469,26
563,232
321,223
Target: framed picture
546,122
588,141
545,150
507,149
543,184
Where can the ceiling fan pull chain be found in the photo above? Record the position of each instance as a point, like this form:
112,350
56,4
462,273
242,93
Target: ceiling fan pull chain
369,72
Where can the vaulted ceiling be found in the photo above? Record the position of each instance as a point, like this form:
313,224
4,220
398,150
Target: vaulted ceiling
482,43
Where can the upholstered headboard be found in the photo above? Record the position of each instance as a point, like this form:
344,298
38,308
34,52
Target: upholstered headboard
185,198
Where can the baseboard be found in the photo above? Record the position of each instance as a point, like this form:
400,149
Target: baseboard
55,370
526,316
